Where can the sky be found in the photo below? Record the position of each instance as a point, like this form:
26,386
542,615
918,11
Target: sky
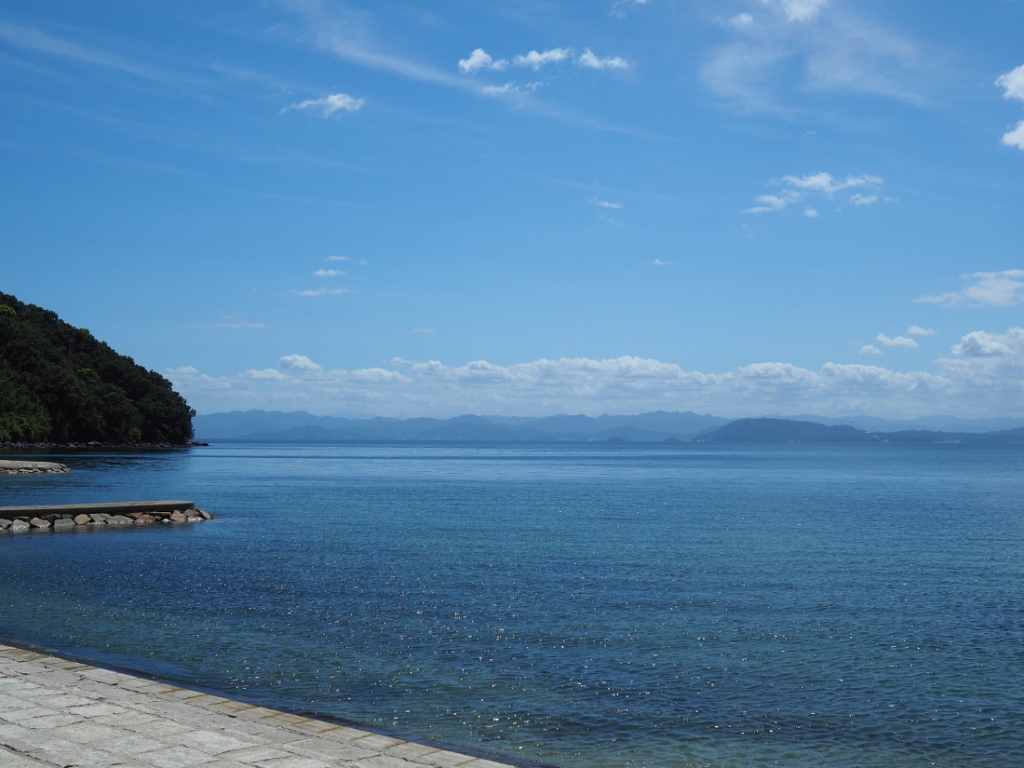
528,207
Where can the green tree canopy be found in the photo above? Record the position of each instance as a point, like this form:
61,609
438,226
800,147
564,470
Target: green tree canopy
58,383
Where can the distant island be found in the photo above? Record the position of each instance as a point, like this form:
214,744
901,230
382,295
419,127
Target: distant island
59,384
657,426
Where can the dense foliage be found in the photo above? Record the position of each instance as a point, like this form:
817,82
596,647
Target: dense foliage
60,384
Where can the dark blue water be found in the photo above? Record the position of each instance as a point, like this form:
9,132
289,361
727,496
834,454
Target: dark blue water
574,605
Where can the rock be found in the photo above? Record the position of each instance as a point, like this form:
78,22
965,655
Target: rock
193,519
20,525
100,517
63,523
120,520
82,519
4,523
145,520
205,515
177,517
38,522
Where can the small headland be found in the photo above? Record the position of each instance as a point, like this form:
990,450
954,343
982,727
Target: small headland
66,517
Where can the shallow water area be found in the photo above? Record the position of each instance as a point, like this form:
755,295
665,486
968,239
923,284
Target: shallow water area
581,605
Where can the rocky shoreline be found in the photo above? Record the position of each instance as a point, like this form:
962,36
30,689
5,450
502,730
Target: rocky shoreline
54,522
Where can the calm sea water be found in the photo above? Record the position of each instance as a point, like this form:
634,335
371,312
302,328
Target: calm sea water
569,605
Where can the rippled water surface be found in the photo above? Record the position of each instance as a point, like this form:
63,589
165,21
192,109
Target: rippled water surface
568,605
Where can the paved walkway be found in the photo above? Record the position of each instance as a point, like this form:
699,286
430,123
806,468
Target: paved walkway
55,712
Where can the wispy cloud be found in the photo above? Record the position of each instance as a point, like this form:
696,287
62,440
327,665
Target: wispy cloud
837,50
660,263
870,349
328,105
811,213
480,59
589,60
898,341
595,200
917,330
328,273
322,292
816,183
619,8
422,330
992,289
229,321
1015,138
338,258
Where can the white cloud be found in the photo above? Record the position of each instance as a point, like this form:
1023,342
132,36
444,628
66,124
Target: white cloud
741,20
993,289
660,263
1015,138
328,105
422,330
328,273
870,349
917,330
337,258
799,10
899,341
826,183
860,199
983,376
480,59
769,203
1012,83
536,60
817,183
323,292
588,59
298,363
595,200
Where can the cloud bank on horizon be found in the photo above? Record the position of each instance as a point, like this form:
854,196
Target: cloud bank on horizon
990,365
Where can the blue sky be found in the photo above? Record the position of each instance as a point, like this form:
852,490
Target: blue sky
739,207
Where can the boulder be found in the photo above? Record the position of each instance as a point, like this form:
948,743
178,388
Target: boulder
100,517
177,517
82,519
145,520
38,522
4,523
63,523
20,525
204,514
120,520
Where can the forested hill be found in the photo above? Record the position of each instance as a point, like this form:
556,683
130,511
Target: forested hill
60,384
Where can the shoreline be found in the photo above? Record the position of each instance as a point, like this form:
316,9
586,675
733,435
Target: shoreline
55,709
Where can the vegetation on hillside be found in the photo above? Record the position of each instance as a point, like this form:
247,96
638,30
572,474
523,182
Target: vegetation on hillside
60,384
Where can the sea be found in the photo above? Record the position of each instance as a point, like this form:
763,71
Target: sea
567,604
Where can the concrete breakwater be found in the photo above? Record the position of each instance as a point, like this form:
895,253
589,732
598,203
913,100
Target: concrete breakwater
32,468
57,517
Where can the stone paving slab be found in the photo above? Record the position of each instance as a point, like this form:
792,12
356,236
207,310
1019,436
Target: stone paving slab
56,713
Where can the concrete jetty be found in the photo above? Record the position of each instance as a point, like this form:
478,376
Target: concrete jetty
56,712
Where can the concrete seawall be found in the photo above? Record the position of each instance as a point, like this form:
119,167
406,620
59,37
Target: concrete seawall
55,712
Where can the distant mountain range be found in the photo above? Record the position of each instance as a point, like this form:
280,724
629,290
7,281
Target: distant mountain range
658,426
